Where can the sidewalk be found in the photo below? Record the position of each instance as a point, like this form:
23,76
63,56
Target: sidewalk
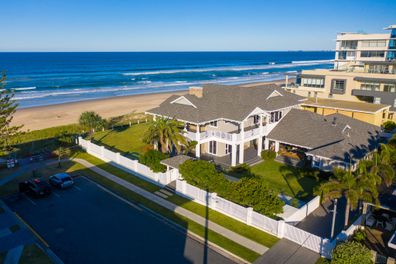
254,246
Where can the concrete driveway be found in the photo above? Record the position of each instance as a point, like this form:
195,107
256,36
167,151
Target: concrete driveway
88,224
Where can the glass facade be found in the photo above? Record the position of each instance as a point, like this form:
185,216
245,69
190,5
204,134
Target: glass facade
372,53
313,82
370,86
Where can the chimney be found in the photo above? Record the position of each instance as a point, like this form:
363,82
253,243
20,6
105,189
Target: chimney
196,90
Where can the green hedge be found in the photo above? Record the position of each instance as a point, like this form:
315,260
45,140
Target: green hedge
268,154
249,191
152,159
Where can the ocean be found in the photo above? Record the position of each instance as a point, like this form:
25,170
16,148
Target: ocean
40,78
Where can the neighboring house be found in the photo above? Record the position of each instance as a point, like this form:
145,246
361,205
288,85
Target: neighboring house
364,71
233,124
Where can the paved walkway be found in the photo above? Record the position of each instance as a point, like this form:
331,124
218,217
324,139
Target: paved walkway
254,246
288,252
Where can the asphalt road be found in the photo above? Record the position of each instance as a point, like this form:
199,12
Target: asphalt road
87,224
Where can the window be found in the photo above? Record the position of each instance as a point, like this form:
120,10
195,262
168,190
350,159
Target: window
370,86
213,124
228,149
372,53
394,103
378,69
212,147
390,88
342,55
276,116
256,119
349,44
338,86
373,43
377,100
313,82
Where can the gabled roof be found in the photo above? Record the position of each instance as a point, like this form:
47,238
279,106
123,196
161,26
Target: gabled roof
228,102
335,136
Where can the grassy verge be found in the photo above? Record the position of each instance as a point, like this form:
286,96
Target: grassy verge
214,216
32,254
214,237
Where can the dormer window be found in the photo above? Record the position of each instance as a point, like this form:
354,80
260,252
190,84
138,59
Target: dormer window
256,119
213,124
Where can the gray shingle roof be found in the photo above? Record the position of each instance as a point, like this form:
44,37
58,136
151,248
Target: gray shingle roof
176,161
334,136
229,102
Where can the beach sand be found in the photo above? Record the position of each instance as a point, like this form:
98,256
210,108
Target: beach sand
35,118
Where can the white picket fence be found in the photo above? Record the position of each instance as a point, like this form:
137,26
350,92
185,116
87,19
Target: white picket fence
128,165
299,214
278,228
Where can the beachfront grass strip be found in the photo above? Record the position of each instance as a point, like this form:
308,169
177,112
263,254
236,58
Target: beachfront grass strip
32,254
126,140
214,216
295,182
186,223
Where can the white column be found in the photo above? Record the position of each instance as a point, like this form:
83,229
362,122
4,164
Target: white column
266,143
281,228
233,154
259,145
276,146
198,146
286,80
241,145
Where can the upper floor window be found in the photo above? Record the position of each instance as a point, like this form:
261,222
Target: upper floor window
313,82
369,86
256,119
349,44
373,43
390,88
377,100
372,53
338,86
213,124
276,116
378,69
394,103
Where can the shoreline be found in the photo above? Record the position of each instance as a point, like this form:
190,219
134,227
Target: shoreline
41,117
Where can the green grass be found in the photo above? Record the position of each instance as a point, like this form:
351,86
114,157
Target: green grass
214,216
32,254
296,182
128,140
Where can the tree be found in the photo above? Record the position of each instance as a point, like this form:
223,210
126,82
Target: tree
382,165
353,187
167,132
62,152
190,147
91,120
152,159
350,253
8,107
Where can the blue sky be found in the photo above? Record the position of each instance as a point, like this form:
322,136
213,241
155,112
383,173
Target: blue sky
185,25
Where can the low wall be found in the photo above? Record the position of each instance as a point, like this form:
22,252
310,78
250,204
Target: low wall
128,165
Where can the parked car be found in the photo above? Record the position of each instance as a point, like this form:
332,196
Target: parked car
61,180
35,187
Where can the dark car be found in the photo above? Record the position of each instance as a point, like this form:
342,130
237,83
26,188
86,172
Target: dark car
35,187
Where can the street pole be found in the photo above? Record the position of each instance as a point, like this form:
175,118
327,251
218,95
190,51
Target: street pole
334,218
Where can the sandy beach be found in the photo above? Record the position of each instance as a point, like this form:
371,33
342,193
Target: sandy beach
35,118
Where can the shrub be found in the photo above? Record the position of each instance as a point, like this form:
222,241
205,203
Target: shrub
351,252
268,154
389,126
241,170
204,175
152,159
254,192
359,235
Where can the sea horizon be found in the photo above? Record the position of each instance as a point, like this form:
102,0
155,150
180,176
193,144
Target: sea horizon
47,78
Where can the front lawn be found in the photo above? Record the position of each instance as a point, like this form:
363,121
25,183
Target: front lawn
296,182
126,140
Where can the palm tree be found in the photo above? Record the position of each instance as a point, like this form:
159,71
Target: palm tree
353,187
167,132
382,165
62,152
190,147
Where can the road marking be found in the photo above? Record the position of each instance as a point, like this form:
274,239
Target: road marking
30,200
120,198
31,229
56,194
78,188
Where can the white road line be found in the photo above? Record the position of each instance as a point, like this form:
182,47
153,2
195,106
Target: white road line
30,200
56,194
120,198
78,188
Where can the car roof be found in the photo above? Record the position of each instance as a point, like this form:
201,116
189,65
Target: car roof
62,175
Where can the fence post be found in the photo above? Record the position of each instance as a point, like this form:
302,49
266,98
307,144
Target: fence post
184,187
249,215
281,228
118,157
88,145
135,165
